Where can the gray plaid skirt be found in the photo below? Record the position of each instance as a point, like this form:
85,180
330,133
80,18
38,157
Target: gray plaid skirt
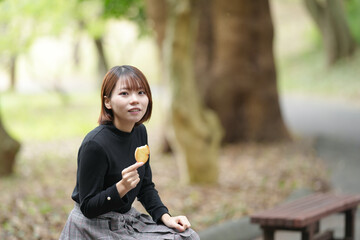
131,225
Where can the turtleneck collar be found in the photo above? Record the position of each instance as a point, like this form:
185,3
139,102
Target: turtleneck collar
118,132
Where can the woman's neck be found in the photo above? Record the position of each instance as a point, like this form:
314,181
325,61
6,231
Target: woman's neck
124,127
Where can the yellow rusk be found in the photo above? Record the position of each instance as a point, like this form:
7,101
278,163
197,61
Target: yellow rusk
142,153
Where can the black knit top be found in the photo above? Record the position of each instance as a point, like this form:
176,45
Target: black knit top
102,156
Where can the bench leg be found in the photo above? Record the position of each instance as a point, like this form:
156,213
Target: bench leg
308,233
268,233
350,224
317,227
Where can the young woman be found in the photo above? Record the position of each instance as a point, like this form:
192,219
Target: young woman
108,176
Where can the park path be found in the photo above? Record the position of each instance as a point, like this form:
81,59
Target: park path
335,128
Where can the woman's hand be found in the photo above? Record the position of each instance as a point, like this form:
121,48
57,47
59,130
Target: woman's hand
130,178
180,223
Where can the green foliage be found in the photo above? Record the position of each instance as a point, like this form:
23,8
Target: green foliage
95,13
115,8
133,10
352,8
89,16
312,34
22,21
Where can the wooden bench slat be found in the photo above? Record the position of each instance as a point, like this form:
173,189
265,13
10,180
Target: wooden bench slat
325,205
301,212
289,206
305,214
289,217
301,207
310,214
328,205
309,217
277,214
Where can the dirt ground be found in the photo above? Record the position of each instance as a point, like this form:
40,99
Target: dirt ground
35,201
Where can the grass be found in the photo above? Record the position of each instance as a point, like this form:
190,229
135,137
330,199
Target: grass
49,116
301,60
308,74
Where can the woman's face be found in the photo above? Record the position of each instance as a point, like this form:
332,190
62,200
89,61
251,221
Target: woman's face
128,106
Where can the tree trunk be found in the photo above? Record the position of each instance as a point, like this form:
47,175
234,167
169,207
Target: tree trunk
157,17
204,51
12,71
330,18
234,67
8,150
76,53
242,89
157,13
197,131
102,63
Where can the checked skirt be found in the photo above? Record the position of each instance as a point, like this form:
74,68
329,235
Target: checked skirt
132,225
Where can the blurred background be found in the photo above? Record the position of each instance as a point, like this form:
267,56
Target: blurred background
245,95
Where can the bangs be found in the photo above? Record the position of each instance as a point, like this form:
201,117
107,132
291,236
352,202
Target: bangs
131,82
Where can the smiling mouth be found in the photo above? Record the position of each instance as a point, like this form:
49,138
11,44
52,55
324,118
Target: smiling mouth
134,110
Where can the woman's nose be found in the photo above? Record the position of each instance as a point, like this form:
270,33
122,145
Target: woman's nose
134,98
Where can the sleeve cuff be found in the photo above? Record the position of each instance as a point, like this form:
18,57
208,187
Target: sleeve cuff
158,214
113,198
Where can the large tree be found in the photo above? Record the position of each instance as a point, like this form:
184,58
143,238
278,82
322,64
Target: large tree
197,131
234,65
9,147
242,88
329,16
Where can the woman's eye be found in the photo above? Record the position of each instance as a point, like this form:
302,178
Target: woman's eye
142,92
123,93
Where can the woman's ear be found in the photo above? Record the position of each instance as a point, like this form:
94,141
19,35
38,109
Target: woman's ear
107,102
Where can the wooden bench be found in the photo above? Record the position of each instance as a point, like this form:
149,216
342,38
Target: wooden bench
304,215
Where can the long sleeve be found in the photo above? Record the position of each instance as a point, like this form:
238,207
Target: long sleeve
149,197
93,166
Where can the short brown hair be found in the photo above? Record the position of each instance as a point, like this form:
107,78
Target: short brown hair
134,79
